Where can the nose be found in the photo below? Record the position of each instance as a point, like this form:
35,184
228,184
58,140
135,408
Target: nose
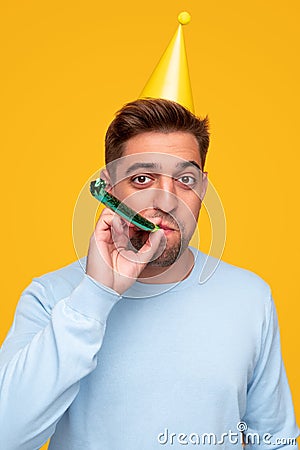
165,197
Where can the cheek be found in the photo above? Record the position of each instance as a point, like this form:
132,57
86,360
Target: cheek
187,214
191,206
137,200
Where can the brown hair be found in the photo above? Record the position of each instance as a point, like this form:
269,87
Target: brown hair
158,115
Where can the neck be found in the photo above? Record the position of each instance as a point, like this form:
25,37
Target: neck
172,274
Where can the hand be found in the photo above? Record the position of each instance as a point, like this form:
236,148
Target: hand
108,260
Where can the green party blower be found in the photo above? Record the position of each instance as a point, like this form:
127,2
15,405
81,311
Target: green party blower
97,188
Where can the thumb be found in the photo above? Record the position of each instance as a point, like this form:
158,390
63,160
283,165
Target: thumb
155,245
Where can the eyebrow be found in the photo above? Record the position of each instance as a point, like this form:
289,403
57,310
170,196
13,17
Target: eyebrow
145,165
184,164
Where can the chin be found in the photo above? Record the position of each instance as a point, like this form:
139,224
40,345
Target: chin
169,255
164,256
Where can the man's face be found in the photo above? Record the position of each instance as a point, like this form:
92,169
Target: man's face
160,177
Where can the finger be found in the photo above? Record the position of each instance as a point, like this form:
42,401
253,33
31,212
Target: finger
117,225
156,240
119,238
108,219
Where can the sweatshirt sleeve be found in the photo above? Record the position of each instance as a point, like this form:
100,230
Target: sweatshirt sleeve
269,419
45,355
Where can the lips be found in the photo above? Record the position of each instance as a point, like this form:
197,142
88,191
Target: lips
157,221
164,225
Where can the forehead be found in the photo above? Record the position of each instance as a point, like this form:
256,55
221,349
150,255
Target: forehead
158,152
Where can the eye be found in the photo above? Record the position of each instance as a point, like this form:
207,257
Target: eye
188,180
141,179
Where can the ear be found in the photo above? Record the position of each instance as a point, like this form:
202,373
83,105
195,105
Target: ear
204,185
104,174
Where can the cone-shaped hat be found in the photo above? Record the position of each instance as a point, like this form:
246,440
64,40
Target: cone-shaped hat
170,79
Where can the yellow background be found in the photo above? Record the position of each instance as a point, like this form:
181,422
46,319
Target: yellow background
68,66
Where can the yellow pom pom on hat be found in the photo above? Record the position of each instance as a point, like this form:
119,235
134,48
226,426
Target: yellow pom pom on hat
184,18
170,78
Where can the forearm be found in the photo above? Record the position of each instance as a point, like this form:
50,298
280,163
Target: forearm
40,380
270,413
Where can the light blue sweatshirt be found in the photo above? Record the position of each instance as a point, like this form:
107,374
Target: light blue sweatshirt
164,366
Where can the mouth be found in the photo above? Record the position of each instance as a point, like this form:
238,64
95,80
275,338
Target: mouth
164,225
138,237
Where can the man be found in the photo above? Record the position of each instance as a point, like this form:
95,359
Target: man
125,350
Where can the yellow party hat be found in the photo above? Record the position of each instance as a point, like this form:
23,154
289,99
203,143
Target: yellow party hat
170,79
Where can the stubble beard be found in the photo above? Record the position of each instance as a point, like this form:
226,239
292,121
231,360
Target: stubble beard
164,256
